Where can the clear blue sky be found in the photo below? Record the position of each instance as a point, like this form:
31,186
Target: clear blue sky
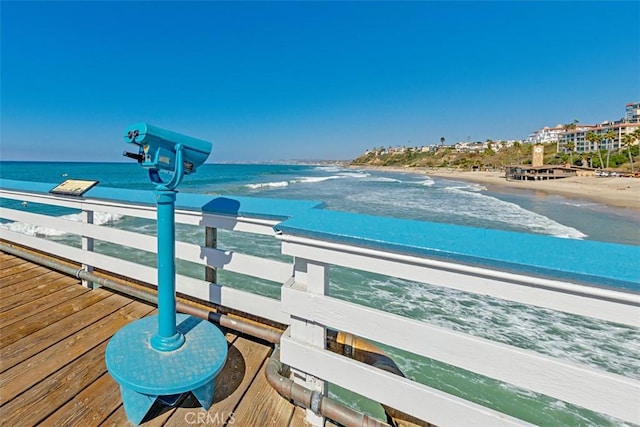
307,80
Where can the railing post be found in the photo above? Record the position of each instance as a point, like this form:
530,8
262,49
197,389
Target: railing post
87,245
313,277
210,241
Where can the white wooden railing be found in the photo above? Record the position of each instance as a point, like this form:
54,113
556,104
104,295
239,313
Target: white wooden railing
581,385
315,244
268,269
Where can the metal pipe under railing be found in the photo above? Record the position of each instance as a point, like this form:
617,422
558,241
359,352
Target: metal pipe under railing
366,352
313,400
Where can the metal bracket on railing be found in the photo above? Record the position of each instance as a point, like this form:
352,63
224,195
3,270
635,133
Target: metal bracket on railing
316,400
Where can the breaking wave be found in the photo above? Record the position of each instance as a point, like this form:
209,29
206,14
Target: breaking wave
276,184
307,180
99,218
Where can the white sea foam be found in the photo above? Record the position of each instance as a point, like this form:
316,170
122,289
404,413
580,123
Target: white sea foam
31,229
314,179
327,168
307,180
483,206
467,203
354,174
467,187
275,184
382,179
580,205
99,218
426,183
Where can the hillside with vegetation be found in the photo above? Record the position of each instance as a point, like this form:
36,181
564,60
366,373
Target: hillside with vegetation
490,159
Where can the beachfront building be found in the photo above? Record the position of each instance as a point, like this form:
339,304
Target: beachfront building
573,136
581,144
539,173
577,137
632,112
546,135
610,134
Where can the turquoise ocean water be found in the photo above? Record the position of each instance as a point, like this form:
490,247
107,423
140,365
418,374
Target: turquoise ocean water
414,196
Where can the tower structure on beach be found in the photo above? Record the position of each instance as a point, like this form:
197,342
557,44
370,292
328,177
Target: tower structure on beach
538,155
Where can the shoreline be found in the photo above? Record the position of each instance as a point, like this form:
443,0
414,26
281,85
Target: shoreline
615,192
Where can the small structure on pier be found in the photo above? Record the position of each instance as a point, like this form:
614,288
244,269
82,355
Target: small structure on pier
539,172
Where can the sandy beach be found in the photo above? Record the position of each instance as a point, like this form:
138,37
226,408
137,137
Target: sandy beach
612,191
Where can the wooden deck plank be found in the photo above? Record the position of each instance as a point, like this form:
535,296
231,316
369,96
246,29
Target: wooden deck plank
9,259
267,408
298,418
40,305
7,262
29,372
32,406
90,407
158,415
32,344
40,323
25,278
244,364
18,298
117,418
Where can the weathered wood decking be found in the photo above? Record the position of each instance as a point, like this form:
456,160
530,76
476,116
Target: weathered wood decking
53,335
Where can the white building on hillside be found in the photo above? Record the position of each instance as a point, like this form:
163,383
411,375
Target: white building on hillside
470,147
632,112
546,135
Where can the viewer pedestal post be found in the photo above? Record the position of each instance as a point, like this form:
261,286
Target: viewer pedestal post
160,358
167,338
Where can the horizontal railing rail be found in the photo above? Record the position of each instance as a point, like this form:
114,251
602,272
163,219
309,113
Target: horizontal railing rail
538,271
615,305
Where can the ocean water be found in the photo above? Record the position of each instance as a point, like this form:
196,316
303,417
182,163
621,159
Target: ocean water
404,195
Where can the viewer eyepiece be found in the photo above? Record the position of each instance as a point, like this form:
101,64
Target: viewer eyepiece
138,157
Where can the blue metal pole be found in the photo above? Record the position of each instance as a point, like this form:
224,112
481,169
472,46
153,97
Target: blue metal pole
167,338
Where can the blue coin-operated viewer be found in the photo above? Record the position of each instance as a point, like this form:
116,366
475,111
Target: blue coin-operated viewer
165,356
